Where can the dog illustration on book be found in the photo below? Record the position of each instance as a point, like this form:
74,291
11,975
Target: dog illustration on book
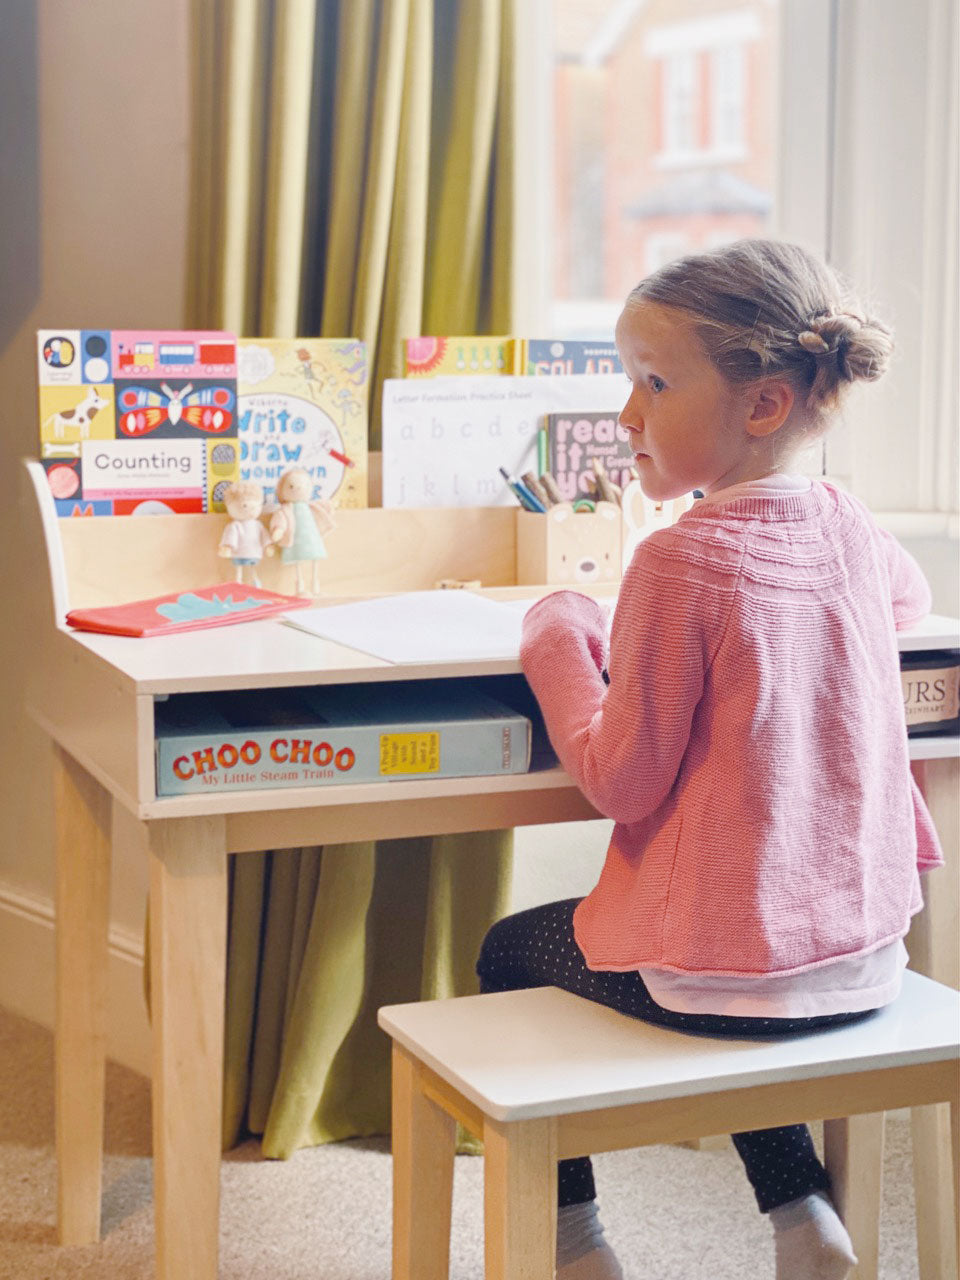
79,417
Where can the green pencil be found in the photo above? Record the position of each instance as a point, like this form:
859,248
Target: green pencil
542,450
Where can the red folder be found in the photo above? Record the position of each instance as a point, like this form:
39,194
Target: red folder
217,606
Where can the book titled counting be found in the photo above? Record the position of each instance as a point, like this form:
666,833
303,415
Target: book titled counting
137,422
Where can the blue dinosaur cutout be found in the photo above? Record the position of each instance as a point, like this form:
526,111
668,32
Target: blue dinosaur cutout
189,607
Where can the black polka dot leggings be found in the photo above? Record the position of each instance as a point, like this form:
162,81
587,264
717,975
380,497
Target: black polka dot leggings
536,948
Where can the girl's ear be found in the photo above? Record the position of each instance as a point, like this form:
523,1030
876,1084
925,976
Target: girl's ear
770,404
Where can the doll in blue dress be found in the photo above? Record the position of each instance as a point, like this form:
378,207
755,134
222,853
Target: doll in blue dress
299,524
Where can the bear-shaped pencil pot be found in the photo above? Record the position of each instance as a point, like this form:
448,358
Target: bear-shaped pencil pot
567,546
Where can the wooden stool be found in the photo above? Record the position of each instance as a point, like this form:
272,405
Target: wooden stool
542,1075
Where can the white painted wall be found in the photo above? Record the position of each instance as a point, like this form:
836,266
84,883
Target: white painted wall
94,120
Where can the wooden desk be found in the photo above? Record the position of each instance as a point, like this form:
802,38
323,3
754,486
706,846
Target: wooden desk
94,697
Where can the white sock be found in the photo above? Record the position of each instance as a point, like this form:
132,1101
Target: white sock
582,1251
810,1240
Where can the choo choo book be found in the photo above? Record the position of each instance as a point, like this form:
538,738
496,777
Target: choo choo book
330,736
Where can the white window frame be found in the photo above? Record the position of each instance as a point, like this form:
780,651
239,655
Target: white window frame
680,103
662,247
891,73
727,76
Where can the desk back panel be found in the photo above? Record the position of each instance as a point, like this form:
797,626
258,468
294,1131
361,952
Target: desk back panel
113,559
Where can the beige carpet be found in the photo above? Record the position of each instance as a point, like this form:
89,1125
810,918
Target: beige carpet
671,1213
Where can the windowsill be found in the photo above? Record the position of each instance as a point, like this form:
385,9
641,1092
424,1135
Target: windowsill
908,524
920,524
699,159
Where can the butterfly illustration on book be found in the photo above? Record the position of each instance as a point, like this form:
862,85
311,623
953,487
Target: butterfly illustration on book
143,409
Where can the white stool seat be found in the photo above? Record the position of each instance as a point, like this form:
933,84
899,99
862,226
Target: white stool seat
517,1055
542,1075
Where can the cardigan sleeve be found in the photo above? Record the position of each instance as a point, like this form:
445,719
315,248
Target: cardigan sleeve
909,589
623,743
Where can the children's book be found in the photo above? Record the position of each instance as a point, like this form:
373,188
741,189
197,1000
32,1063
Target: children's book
216,606
445,439
575,439
447,357
303,403
328,736
539,356
137,422
439,357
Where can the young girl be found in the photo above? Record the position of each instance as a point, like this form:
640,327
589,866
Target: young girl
745,728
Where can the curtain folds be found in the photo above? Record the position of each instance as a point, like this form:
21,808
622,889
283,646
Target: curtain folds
352,177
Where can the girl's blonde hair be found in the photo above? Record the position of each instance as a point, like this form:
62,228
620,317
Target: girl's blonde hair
767,308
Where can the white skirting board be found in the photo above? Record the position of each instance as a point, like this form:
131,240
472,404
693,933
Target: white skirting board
27,975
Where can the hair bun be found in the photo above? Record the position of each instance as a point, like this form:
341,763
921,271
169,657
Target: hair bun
814,342
862,347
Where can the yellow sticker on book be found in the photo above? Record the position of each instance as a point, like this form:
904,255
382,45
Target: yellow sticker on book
409,752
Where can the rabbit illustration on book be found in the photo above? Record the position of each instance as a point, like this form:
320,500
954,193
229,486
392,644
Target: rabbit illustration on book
642,515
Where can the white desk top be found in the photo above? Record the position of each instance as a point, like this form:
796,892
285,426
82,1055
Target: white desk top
519,1055
273,654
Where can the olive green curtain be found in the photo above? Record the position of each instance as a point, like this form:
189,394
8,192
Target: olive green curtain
352,177
353,174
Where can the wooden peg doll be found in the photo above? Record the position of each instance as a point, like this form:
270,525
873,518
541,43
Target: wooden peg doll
245,540
298,525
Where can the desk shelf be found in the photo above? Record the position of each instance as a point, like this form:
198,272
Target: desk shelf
279,818
932,747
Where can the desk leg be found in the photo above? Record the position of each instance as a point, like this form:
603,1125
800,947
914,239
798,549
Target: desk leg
82,819
188,948
933,947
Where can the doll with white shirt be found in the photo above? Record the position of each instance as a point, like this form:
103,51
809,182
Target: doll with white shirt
245,540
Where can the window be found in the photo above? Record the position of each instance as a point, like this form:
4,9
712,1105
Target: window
764,117
662,248
727,97
662,142
681,104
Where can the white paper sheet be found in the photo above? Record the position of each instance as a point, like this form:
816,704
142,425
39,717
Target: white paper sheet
445,438
421,626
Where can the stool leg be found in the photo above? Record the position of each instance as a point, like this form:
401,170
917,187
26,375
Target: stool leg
932,1178
424,1142
520,1199
853,1155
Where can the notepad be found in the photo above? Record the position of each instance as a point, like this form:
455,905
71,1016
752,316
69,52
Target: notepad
421,626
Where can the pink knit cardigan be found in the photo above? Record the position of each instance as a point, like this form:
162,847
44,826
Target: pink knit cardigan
751,745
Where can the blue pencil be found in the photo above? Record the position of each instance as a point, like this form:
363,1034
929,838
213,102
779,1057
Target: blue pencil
522,493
